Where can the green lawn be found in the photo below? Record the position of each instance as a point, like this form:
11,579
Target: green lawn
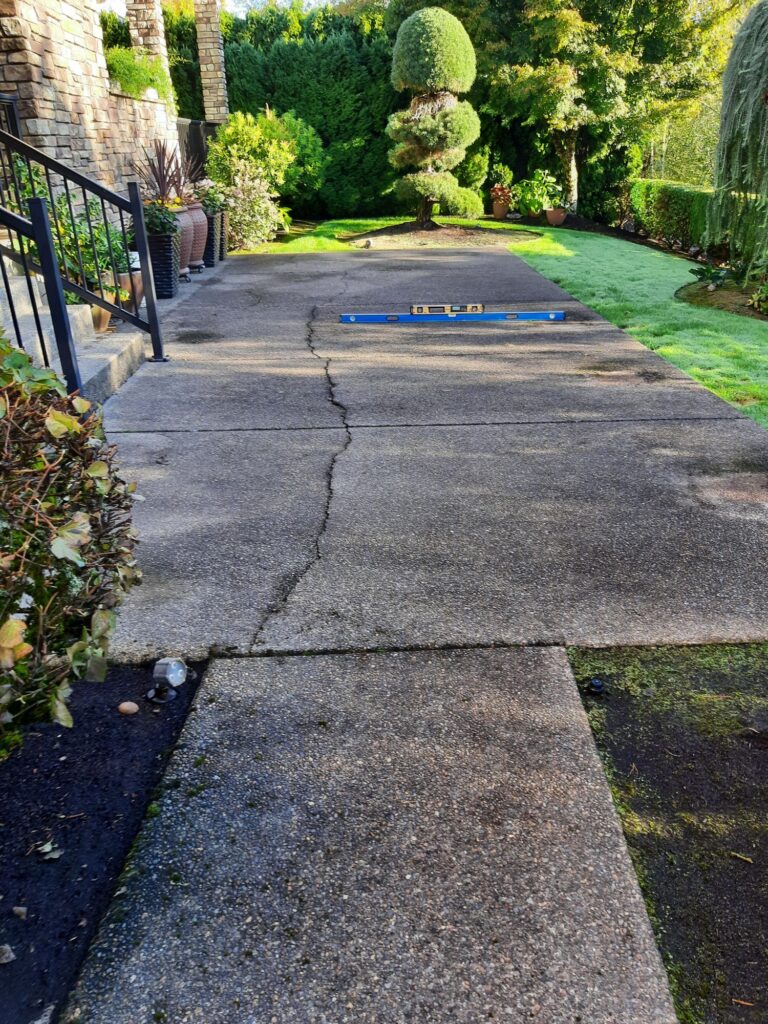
630,285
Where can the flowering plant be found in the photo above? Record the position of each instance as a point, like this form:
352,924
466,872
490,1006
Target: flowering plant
254,216
211,195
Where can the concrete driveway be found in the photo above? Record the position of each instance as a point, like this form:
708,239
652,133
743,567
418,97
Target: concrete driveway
403,817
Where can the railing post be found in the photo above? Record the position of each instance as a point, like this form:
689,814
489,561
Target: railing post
145,260
54,292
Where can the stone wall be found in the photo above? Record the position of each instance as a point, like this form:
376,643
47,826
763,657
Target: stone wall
52,57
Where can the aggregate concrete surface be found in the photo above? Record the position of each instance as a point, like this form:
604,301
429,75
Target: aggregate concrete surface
382,838
418,835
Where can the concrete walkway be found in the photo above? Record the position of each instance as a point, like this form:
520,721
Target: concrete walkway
411,824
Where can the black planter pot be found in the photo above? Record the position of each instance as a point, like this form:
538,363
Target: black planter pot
212,253
224,235
164,250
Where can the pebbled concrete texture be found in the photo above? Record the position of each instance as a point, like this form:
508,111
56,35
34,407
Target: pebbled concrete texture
226,521
422,836
584,534
500,373
381,838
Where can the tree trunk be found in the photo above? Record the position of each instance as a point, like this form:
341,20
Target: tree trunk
566,150
424,216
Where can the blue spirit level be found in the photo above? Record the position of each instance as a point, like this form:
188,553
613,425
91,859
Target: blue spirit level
446,318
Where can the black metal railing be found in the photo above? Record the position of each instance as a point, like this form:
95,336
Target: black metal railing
99,237
50,327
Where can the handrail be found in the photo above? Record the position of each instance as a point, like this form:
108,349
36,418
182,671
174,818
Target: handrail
37,230
90,241
76,177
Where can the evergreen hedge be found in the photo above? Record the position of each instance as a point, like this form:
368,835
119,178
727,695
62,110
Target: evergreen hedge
670,210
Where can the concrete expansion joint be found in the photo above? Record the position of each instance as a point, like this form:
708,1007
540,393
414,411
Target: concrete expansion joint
425,648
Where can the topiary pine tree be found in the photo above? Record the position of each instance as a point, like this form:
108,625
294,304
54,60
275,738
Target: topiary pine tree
434,59
739,208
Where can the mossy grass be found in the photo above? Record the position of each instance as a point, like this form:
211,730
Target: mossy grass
683,735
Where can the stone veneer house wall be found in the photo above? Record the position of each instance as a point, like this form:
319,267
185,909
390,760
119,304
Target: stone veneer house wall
52,57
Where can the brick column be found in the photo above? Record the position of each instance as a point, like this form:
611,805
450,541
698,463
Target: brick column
210,47
145,21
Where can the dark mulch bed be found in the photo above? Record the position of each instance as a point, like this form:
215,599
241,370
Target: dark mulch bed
730,297
435,235
86,791
683,733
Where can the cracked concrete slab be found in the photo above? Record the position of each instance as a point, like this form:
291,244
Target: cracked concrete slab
227,522
381,839
576,534
500,373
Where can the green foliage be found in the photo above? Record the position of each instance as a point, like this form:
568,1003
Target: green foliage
433,53
244,138
431,135
114,29
669,210
305,176
739,211
254,217
210,195
136,71
685,146
66,544
181,40
710,275
541,192
339,86
159,218
472,172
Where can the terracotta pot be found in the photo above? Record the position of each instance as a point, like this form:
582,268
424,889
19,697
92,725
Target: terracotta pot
101,317
200,224
500,210
556,216
187,238
124,280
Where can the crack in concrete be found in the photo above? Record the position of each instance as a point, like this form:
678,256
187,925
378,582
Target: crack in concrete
295,578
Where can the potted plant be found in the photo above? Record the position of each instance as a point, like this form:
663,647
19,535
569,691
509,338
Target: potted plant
501,197
542,193
163,238
165,182
212,200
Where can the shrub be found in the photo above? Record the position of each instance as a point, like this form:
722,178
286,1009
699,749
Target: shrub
244,138
472,172
464,203
304,177
339,85
254,217
433,53
66,544
135,71
434,58
669,210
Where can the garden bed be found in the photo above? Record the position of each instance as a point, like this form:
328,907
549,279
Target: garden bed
683,733
730,297
451,236
72,803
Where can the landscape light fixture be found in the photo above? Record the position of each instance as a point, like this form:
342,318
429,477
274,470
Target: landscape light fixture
168,674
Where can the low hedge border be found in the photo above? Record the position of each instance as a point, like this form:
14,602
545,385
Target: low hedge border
670,210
